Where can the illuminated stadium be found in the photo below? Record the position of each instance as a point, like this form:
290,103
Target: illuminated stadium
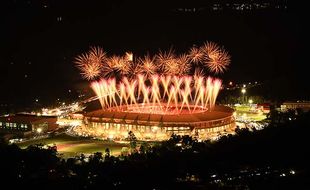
201,124
156,96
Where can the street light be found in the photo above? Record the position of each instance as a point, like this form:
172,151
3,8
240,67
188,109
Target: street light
243,91
250,101
39,130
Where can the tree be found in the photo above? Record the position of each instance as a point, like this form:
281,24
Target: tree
107,153
273,115
144,147
96,158
133,140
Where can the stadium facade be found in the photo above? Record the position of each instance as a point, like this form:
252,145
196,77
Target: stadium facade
203,124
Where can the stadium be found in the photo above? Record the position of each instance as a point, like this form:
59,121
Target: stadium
201,123
156,96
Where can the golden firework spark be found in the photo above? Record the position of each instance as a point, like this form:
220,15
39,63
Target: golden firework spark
164,58
216,59
218,62
198,73
183,66
147,65
196,55
91,63
119,64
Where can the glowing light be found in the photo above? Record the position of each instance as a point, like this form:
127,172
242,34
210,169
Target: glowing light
129,56
111,136
39,130
243,90
250,101
235,114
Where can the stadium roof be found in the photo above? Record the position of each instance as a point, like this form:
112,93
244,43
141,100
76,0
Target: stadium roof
219,112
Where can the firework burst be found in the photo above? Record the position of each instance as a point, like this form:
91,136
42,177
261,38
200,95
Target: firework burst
196,55
217,62
119,65
97,55
134,70
171,67
91,63
209,48
165,58
198,73
147,66
183,66
90,71
216,59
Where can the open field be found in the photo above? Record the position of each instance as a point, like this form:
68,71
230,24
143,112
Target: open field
68,146
245,111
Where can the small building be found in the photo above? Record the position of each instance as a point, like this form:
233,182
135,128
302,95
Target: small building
305,105
27,124
264,107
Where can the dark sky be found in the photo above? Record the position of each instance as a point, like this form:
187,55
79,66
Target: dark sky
40,38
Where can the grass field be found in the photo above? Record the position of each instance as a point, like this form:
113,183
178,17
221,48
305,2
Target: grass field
68,146
241,110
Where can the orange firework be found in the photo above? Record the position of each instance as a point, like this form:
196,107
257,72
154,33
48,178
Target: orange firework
171,67
147,65
198,73
119,65
218,62
165,58
97,55
195,55
177,66
209,48
91,71
216,58
134,70
183,66
91,63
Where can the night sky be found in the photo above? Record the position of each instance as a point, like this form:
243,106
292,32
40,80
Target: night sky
40,38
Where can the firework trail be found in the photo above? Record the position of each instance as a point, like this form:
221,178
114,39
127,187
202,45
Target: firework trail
177,90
